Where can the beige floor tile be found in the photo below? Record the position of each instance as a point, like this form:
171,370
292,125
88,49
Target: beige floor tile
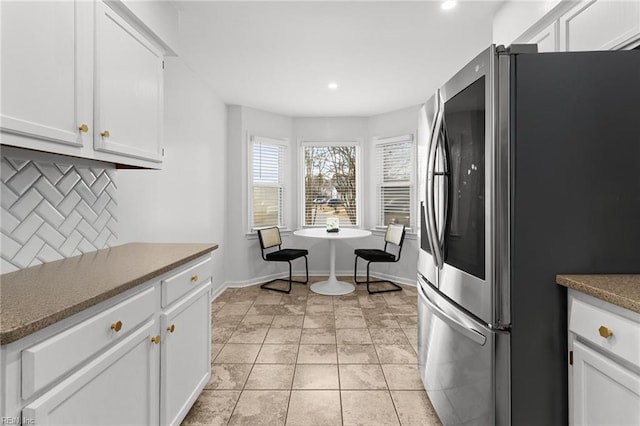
350,322
291,310
317,354
283,335
313,309
357,354
220,334
396,354
270,376
314,408
414,408
226,320
245,334
228,376
407,321
212,408
353,336
278,354
268,299
257,320
316,376
386,336
347,300
315,299
261,408
412,335
215,350
402,376
234,309
381,322
318,321
237,353
400,310
348,311
287,321
366,408
361,376
319,336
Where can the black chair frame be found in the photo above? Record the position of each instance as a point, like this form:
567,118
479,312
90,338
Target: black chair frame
396,287
264,257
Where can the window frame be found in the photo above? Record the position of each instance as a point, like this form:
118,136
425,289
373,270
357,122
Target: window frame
283,145
378,143
306,142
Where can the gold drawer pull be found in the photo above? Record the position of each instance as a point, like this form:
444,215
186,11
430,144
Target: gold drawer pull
171,328
84,128
194,278
155,339
116,326
105,134
605,332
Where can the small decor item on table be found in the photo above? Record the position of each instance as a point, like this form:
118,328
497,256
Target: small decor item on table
333,224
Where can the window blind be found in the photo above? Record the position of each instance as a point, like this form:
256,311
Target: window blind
330,183
394,169
267,189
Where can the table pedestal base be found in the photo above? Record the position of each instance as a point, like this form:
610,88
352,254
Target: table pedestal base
332,287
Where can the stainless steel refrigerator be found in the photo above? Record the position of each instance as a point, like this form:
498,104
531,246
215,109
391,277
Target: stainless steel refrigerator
529,167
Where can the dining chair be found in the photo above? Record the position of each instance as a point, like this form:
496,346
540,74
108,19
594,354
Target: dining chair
393,237
272,251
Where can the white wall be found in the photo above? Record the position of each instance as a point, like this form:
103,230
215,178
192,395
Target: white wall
183,202
244,264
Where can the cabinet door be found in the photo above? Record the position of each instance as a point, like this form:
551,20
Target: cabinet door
46,73
128,100
117,388
604,392
600,25
186,354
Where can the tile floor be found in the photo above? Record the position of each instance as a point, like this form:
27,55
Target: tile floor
307,359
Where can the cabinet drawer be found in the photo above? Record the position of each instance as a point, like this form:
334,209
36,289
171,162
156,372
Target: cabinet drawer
181,283
45,362
586,320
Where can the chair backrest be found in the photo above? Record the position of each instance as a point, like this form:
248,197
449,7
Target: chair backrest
395,234
269,237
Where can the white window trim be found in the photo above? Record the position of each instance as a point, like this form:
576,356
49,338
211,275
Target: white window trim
357,142
286,184
378,141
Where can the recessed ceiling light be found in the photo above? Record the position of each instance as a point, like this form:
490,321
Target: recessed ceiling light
449,4
333,85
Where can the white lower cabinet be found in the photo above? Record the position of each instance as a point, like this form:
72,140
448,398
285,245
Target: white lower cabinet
604,380
605,392
131,360
186,359
118,387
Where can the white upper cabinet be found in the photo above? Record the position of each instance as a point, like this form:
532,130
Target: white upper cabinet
600,25
81,78
128,89
46,72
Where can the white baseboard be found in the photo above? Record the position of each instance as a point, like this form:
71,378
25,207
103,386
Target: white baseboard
264,279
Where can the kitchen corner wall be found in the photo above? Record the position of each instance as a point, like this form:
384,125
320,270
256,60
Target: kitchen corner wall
185,201
54,207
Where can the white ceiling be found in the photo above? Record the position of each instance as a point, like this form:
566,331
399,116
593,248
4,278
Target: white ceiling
280,56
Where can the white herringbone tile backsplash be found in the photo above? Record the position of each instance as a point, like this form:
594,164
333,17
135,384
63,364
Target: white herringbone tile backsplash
53,211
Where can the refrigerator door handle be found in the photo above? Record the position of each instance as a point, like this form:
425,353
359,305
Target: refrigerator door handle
431,182
469,333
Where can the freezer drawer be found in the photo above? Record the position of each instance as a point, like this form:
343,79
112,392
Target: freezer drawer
455,359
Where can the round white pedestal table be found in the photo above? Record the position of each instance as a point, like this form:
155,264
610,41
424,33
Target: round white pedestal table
332,287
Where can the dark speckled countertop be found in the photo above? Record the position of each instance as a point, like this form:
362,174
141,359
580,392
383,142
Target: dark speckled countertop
34,298
621,290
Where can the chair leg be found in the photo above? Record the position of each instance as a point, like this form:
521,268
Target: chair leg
290,280
396,287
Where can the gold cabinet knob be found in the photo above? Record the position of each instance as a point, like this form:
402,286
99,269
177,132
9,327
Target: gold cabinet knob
105,134
116,326
155,339
84,128
171,328
605,332
194,278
